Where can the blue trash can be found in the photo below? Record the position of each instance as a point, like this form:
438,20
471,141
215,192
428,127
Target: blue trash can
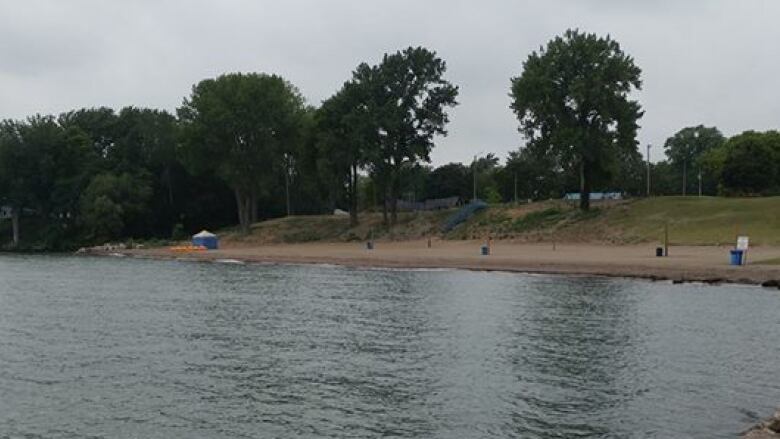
736,257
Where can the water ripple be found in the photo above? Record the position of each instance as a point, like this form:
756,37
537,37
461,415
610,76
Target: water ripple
94,347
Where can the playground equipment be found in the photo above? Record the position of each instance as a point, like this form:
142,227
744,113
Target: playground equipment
463,214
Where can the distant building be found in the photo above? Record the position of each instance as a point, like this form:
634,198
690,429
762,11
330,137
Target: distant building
594,196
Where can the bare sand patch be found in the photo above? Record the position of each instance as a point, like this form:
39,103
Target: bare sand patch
687,263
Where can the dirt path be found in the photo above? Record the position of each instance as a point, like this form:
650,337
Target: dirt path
687,263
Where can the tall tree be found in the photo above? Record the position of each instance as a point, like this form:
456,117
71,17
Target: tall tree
238,125
408,100
450,180
344,136
113,202
751,164
145,146
686,148
572,101
483,170
529,174
40,172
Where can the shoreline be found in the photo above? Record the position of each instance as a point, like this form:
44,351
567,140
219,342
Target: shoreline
707,265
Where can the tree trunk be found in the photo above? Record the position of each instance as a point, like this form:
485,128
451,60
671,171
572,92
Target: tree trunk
385,221
584,186
169,182
244,205
353,201
15,226
394,189
239,208
253,207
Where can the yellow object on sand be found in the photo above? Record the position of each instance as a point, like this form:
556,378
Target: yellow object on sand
187,248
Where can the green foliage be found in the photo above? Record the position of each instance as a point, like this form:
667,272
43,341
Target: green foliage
178,233
243,140
572,101
240,126
751,165
111,202
345,139
450,180
102,218
689,144
407,101
491,195
537,176
687,150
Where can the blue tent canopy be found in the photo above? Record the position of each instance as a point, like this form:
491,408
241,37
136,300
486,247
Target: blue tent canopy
206,239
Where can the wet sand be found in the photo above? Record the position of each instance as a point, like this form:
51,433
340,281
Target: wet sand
684,263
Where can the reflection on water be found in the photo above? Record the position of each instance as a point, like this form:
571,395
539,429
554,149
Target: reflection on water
130,348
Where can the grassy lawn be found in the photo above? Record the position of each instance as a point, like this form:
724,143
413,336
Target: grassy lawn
699,220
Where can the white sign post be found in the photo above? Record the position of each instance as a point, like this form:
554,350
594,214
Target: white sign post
743,243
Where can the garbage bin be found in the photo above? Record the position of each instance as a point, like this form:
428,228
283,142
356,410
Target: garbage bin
485,250
736,257
659,252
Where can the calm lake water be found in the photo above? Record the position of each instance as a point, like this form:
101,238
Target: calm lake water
103,347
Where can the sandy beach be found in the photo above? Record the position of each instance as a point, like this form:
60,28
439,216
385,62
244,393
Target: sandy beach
684,263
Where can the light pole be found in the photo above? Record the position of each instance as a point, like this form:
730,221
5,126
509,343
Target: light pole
474,171
648,170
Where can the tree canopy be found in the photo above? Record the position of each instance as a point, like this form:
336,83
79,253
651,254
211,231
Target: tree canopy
346,138
573,101
244,140
239,125
407,99
686,148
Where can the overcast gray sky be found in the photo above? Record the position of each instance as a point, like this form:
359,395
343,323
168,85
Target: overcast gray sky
711,62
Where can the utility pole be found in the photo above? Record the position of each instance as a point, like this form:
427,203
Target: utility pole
700,182
515,188
685,169
648,170
287,191
474,171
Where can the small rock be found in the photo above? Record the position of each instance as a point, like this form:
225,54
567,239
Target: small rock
771,283
773,425
713,281
677,281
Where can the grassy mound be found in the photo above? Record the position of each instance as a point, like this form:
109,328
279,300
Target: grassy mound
333,228
698,220
691,221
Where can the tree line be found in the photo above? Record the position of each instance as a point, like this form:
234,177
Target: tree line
246,146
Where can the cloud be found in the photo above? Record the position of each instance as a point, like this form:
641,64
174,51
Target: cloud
710,62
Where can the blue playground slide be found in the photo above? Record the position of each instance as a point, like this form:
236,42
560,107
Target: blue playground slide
463,214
